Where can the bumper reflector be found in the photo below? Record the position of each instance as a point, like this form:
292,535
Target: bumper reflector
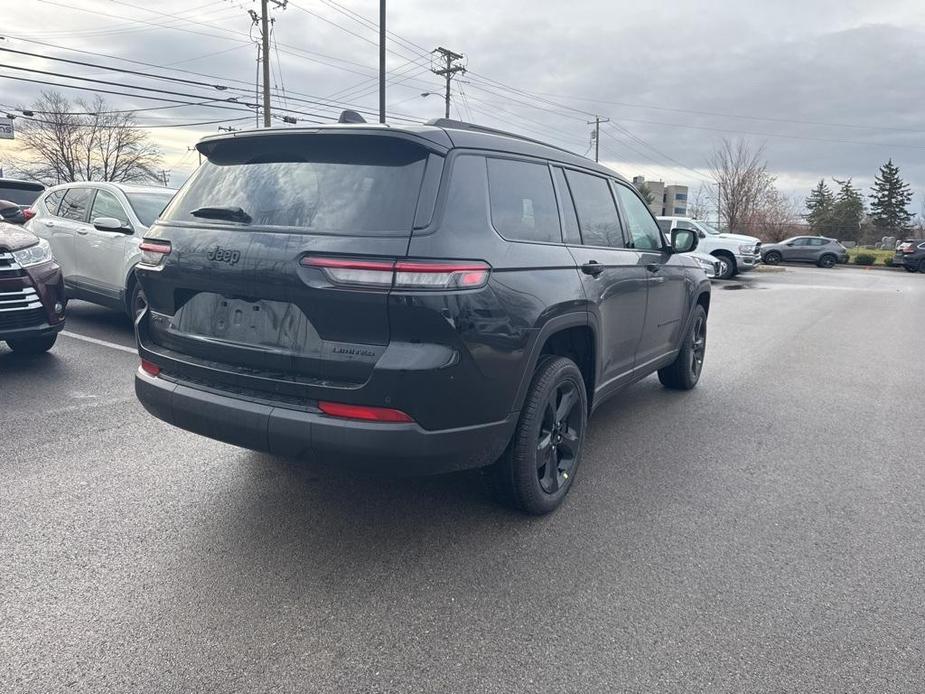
363,412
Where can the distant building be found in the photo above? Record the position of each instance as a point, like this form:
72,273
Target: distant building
667,200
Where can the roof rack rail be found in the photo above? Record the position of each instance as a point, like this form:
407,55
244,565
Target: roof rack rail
463,125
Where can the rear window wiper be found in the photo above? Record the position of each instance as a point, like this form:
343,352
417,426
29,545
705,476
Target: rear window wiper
232,214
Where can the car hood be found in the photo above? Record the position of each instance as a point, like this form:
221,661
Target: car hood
741,238
13,238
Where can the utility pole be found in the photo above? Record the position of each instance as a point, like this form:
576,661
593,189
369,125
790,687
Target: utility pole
597,135
382,61
263,51
447,72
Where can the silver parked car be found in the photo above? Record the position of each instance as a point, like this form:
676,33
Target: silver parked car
94,230
822,251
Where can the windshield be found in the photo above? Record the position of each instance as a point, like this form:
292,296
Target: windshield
334,184
148,206
707,229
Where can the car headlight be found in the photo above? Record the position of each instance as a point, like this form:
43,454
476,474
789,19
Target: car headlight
746,249
34,255
706,265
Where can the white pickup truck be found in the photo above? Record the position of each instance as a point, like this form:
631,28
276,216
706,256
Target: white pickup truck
736,252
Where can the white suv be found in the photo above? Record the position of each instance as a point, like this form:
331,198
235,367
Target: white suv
736,252
94,230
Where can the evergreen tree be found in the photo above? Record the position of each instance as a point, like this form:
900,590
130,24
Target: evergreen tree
890,198
820,207
847,211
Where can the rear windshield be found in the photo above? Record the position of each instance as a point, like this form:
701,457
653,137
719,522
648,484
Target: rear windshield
148,206
337,184
25,195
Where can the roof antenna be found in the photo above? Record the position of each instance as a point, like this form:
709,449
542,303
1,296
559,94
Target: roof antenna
349,116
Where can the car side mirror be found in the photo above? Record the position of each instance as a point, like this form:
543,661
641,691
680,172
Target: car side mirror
111,224
789,244
684,240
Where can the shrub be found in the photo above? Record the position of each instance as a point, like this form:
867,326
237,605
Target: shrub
864,259
888,261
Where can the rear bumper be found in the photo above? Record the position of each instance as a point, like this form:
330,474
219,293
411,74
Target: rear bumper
403,449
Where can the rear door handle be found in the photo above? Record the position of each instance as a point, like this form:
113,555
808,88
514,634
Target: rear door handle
593,268
49,224
653,267
82,232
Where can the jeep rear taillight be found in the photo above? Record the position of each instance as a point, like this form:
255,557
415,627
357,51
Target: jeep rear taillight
154,252
402,274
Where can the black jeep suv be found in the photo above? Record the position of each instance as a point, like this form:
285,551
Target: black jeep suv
416,299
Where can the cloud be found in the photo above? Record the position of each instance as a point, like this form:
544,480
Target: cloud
674,76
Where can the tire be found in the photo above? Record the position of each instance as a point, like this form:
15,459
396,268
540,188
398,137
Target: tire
773,258
909,269
684,372
728,267
539,466
827,261
922,265
32,345
137,301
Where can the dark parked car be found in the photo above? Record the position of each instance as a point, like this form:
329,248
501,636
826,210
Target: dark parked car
820,250
911,255
16,198
411,300
32,301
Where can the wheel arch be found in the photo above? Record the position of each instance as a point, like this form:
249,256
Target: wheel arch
572,335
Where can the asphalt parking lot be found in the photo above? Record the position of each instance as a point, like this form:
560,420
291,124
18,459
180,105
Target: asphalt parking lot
764,532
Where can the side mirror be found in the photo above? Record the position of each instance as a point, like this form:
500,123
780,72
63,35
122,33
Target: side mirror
684,240
789,244
111,224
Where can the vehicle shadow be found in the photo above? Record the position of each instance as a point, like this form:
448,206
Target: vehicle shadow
85,314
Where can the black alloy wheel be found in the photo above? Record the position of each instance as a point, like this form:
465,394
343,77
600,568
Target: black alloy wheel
827,261
539,466
559,437
772,258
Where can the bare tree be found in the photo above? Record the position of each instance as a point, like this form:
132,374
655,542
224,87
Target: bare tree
740,171
86,142
700,205
774,217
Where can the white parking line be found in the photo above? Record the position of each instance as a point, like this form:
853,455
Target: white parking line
103,343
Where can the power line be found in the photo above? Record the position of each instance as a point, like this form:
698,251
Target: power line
112,69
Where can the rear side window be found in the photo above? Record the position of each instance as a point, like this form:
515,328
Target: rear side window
597,212
523,204
328,183
21,194
52,200
75,204
642,226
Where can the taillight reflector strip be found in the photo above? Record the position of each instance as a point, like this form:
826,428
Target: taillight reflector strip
364,413
155,247
403,274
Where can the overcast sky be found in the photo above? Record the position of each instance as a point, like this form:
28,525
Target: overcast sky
831,87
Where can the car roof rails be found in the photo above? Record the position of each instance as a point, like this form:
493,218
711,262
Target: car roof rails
463,125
